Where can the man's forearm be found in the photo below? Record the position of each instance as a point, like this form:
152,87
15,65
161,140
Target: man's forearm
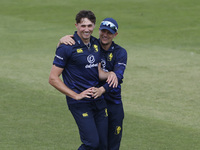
102,74
60,86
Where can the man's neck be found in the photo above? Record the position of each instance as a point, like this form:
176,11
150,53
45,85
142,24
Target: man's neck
86,42
105,46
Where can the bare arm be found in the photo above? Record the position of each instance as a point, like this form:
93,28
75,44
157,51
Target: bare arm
110,77
56,82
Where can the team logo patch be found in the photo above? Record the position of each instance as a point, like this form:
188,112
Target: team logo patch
118,130
91,59
85,114
110,56
79,50
95,48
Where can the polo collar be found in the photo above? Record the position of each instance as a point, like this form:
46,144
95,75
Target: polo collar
112,47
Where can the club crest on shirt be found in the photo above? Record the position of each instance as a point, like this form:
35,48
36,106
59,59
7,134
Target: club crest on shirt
95,48
110,56
118,130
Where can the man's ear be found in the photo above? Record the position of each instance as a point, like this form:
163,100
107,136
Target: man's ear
116,33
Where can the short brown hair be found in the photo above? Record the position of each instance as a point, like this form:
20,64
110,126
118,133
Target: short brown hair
85,14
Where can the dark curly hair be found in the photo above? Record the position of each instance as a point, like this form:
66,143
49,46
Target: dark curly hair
85,14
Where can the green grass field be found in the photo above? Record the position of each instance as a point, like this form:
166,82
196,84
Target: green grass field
162,80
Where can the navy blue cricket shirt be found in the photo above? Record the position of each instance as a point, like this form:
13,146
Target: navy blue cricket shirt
80,65
114,59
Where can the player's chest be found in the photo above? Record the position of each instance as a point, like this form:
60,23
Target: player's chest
83,56
108,60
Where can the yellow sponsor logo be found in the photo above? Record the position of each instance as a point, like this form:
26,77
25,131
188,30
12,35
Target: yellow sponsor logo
118,130
85,114
95,48
110,56
79,50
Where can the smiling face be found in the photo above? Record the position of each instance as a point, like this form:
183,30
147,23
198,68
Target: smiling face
85,29
106,38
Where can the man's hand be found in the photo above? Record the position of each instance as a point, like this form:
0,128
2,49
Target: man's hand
85,94
110,77
97,92
112,80
67,40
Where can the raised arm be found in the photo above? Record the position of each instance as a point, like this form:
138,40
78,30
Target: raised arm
67,40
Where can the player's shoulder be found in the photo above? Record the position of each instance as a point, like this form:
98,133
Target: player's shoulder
64,49
119,49
64,46
95,41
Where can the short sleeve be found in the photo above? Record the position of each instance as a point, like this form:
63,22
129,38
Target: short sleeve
63,53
